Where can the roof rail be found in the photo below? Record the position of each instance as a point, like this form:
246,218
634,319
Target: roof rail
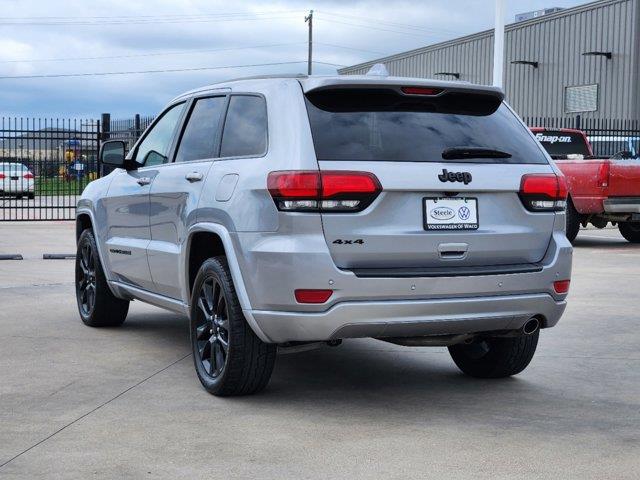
273,75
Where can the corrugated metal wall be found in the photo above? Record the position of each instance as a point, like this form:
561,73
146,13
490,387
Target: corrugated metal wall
557,43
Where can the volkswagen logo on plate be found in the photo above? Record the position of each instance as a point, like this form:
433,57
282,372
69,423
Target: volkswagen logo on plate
442,213
464,213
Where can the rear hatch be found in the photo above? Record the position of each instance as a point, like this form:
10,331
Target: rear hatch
450,164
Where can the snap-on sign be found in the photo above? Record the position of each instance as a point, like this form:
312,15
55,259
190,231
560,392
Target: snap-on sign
542,138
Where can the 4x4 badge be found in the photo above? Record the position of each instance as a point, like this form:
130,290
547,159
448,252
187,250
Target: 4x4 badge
446,176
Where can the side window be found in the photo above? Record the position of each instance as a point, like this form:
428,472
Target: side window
199,137
154,149
245,129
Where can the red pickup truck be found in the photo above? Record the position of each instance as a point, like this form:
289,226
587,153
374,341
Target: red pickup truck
601,190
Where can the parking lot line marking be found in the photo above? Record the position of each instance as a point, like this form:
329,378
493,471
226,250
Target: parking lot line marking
10,256
58,256
64,427
599,237
5,287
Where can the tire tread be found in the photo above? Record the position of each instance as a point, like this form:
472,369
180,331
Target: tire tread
109,311
630,231
250,361
507,356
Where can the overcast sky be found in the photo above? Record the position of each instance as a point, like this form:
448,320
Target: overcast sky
189,34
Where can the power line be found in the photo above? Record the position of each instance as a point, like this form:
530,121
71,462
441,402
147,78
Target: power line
155,54
149,21
349,48
413,34
227,14
166,70
388,23
184,52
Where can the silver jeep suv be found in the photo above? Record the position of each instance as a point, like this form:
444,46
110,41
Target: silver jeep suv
280,212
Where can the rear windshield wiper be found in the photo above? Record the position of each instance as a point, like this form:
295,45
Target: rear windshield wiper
456,153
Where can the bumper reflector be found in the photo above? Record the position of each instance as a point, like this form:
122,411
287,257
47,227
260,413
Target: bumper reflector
312,296
561,286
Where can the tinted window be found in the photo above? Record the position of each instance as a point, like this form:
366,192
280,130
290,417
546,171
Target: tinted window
560,144
245,129
199,138
154,149
383,125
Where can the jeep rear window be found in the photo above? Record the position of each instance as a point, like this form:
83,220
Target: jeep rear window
560,144
385,125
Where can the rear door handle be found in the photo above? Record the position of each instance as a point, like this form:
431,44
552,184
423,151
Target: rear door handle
194,176
142,181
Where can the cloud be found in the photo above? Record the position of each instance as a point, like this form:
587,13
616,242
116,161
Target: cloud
339,26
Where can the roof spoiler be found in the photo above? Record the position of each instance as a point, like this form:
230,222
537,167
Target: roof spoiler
311,84
404,95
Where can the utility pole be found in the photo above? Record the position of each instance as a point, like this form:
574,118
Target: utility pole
498,45
309,19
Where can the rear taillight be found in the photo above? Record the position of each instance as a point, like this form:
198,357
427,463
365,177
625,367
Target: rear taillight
603,174
1,176
543,192
28,176
326,191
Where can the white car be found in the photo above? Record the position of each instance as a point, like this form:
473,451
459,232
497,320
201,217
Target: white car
16,179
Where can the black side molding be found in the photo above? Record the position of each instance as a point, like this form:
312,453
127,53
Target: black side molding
416,272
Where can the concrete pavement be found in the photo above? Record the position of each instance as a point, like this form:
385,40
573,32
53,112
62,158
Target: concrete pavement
77,402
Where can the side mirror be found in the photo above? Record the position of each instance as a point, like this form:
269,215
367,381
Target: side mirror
113,153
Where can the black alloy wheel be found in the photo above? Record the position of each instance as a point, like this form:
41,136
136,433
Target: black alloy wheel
86,279
228,356
212,328
97,305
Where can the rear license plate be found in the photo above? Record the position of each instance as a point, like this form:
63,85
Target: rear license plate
450,213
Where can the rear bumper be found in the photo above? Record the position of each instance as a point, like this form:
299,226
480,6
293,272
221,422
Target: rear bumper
17,187
273,267
622,205
409,318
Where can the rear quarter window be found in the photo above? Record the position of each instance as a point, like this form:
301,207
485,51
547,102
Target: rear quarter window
245,128
384,125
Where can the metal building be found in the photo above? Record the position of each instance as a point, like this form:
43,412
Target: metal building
582,61
521,17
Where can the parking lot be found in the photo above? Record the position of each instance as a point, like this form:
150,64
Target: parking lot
77,402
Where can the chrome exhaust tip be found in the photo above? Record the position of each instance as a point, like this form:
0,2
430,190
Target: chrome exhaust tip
531,326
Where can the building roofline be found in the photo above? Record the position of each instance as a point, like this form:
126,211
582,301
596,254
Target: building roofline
483,34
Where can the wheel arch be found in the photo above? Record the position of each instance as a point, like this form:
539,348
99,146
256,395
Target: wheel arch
210,239
83,222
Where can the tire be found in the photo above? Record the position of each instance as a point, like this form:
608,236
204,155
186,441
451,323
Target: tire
496,357
31,196
98,307
573,221
630,231
229,358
